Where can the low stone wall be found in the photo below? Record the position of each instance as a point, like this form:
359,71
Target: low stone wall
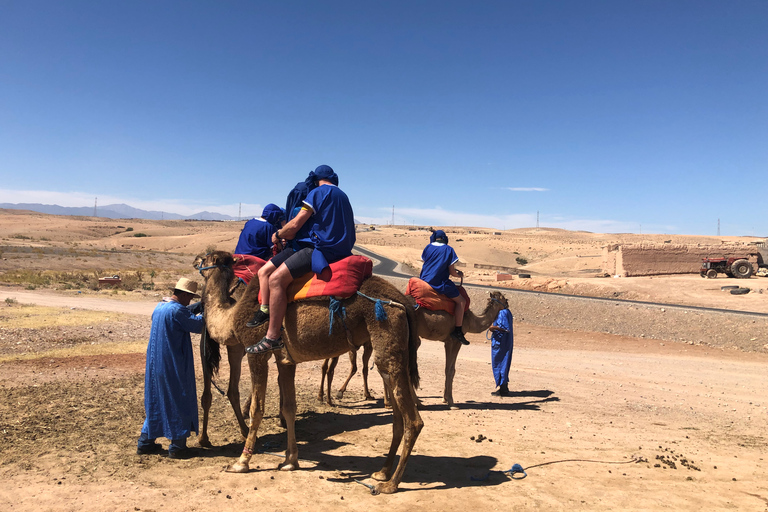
659,259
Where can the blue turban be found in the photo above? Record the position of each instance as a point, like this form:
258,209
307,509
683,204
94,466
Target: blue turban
438,235
273,214
324,172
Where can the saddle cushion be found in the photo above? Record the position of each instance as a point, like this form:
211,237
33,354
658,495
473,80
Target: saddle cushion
341,279
427,297
246,266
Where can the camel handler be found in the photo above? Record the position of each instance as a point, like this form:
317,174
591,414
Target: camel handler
439,265
256,236
331,237
170,396
502,343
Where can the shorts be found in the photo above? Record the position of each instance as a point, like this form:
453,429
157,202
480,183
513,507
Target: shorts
298,262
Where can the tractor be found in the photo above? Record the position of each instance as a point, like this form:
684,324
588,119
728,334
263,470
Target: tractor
738,267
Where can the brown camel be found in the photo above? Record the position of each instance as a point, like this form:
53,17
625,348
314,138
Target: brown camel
210,356
329,365
437,325
306,337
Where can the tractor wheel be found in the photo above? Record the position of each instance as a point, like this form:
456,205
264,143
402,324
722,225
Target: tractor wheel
741,269
711,273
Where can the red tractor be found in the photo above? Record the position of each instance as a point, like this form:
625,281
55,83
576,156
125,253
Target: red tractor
732,267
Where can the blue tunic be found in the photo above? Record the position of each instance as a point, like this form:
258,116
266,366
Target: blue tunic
332,230
438,259
502,344
170,395
256,239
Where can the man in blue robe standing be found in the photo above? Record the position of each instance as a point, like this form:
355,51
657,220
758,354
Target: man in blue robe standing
502,343
439,265
170,394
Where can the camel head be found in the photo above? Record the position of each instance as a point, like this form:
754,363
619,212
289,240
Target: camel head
500,298
214,259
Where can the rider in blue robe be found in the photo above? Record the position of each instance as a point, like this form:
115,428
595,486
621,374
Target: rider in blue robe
256,236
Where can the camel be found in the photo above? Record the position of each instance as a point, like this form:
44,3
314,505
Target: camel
210,356
437,326
309,335
329,365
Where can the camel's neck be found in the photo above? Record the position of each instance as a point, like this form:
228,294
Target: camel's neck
474,323
218,308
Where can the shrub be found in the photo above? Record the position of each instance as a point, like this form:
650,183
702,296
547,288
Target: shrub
521,261
139,235
129,229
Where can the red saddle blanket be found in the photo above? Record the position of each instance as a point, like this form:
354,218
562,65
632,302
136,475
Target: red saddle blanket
427,297
341,279
246,266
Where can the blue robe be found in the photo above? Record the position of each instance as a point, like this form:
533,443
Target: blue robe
256,239
502,344
332,226
438,258
170,395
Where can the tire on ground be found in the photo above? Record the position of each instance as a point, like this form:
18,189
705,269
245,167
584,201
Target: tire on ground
740,291
741,269
729,288
524,276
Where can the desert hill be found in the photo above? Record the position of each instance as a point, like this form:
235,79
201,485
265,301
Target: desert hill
557,260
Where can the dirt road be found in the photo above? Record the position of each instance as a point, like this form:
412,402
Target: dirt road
598,421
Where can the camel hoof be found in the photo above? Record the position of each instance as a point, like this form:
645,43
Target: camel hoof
288,467
204,443
453,407
339,395
381,476
385,488
238,468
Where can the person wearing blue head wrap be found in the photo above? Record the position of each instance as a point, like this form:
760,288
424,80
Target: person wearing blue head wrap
328,213
502,343
439,265
256,236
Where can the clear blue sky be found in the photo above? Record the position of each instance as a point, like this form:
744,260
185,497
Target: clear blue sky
607,116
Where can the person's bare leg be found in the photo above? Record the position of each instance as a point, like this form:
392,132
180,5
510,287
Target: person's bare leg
458,310
278,300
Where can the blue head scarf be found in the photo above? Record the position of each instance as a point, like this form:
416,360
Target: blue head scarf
438,235
324,172
273,214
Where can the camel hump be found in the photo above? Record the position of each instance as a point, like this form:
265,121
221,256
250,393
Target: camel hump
431,299
341,278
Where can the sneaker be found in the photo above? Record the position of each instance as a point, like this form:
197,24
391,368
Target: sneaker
149,449
259,318
265,345
459,336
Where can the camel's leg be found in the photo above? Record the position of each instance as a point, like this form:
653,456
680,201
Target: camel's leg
367,351
452,348
286,379
259,373
352,372
205,401
323,373
235,354
329,366
406,426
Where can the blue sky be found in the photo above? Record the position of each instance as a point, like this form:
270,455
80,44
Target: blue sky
607,116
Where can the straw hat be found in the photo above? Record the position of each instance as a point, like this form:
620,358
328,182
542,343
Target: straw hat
187,285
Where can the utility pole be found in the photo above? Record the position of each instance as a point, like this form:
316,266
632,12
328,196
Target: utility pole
537,219
240,211
393,215
718,227
95,201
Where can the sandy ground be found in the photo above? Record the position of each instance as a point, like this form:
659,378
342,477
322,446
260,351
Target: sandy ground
598,421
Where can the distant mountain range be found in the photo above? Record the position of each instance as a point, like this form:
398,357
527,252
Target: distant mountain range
114,211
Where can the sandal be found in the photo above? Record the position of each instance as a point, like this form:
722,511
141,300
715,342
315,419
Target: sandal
265,345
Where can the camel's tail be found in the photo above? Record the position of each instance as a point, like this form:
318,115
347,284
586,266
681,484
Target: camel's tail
210,354
413,345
